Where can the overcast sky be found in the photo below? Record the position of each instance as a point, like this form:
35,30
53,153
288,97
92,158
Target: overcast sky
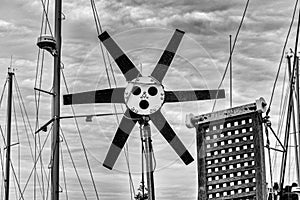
142,29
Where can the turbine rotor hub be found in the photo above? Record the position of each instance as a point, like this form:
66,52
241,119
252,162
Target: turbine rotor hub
144,95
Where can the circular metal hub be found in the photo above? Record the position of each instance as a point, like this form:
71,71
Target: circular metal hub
144,95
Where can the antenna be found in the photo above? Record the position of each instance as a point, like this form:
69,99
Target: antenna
144,97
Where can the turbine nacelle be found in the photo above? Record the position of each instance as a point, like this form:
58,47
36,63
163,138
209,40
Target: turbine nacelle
144,95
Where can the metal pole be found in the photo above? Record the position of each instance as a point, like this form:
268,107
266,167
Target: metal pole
288,124
230,69
149,164
142,142
8,137
295,140
269,155
297,116
296,66
56,105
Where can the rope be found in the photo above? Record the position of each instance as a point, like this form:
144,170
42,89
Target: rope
282,55
81,140
232,49
73,163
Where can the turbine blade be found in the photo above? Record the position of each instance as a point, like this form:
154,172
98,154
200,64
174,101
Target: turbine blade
168,133
127,123
165,60
115,95
126,66
193,95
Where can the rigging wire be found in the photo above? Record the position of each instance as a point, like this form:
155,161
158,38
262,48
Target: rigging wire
48,183
282,55
283,108
81,140
232,49
64,173
269,152
18,138
99,31
3,137
16,180
2,173
35,163
11,162
2,94
38,82
73,163
45,13
24,115
15,187
38,95
290,96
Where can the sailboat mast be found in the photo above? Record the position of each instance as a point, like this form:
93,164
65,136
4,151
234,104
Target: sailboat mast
297,85
298,118
8,137
288,125
56,105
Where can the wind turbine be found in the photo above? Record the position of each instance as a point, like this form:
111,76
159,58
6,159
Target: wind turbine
144,97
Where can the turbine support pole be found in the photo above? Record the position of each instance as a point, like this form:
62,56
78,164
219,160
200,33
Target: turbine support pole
56,105
230,70
149,157
8,137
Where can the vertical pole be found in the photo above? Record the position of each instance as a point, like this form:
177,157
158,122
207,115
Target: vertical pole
297,116
288,125
295,140
56,105
296,68
149,164
230,69
142,147
8,137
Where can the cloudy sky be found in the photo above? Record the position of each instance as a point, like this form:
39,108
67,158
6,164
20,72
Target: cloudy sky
142,29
